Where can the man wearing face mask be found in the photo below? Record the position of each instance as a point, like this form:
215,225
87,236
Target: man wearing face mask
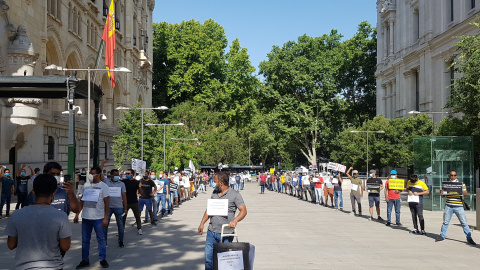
147,190
22,183
64,200
416,189
95,204
374,185
132,186
117,203
165,194
153,177
392,196
235,201
8,189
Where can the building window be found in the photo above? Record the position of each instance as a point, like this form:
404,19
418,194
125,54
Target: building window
59,9
106,149
88,33
75,20
70,16
472,4
417,91
416,25
451,11
91,149
51,148
79,22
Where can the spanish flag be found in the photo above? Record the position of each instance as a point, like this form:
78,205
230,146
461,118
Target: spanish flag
110,41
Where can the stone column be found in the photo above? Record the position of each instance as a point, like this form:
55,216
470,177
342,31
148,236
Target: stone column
391,24
385,39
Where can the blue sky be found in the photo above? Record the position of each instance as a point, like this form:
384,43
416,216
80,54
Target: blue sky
260,24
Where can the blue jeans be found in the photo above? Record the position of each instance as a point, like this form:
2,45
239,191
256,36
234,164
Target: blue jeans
162,198
118,217
390,204
242,185
6,199
447,215
262,188
279,186
237,186
336,194
87,226
154,207
318,195
212,238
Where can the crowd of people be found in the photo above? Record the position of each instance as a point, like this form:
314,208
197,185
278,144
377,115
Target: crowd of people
98,197
320,188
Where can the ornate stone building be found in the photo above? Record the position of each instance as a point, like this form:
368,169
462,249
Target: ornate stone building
415,42
67,33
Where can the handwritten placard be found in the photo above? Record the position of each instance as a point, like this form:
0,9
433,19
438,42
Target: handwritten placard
452,188
230,260
217,207
91,195
396,184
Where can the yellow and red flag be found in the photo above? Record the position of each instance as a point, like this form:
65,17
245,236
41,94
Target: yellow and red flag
110,41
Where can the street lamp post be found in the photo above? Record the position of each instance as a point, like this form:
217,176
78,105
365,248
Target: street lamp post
433,120
71,131
142,109
367,131
249,156
164,129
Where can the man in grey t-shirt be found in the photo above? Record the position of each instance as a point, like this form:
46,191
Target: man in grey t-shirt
235,201
117,204
40,233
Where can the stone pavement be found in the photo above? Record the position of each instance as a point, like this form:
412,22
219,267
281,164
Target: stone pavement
288,234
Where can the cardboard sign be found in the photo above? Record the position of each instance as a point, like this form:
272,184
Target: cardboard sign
396,184
230,260
413,199
217,207
91,195
373,188
336,167
272,170
452,188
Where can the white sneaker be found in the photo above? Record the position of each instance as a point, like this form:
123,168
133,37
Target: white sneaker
140,232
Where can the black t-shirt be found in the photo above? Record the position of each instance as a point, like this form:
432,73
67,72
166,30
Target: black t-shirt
131,187
147,188
374,184
22,183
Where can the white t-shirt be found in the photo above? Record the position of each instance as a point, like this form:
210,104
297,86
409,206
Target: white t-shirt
91,209
186,182
306,180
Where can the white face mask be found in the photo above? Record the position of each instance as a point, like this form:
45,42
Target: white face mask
160,176
90,177
393,176
58,179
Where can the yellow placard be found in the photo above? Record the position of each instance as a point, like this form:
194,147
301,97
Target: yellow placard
396,184
272,170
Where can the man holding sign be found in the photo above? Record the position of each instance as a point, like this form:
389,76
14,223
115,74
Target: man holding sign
118,203
454,204
416,189
221,210
374,185
393,187
356,193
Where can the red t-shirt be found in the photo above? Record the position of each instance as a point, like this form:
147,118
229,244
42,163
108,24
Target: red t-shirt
319,183
263,178
391,193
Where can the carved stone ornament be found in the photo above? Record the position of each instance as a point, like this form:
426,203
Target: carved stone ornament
27,101
386,5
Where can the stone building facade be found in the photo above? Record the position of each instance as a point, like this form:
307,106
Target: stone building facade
67,33
415,44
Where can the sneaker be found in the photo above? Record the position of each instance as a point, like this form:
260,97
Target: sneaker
154,223
83,264
370,218
387,223
423,232
7,216
471,242
104,263
359,214
439,238
398,224
341,208
380,218
169,212
414,231
140,232
353,213
120,244
145,221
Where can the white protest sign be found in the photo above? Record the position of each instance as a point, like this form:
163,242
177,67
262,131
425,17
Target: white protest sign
230,260
341,168
139,165
336,167
90,195
217,207
332,166
413,199
115,191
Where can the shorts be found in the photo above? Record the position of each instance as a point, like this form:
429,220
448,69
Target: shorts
328,192
175,192
374,200
146,202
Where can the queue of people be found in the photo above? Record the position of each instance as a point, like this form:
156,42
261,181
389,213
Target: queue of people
101,195
304,185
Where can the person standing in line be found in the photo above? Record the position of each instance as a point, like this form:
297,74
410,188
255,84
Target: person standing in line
164,194
306,187
40,233
374,186
8,190
454,205
95,209
173,193
117,204
337,189
318,181
416,190
263,183
294,185
392,196
147,190
22,185
36,172
131,187
235,201
152,176
237,181
356,193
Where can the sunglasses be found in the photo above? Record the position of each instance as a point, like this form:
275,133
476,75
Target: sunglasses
453,175
128,173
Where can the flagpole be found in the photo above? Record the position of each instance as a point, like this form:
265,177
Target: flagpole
98,57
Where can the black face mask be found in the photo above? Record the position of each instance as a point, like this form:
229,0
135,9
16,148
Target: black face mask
145,177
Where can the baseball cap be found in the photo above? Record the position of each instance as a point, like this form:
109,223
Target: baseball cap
373,171
393,172
355,171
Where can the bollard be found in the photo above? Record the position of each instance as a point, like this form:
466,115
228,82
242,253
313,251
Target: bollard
478,208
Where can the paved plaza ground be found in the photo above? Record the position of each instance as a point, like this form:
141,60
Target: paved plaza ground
288,234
